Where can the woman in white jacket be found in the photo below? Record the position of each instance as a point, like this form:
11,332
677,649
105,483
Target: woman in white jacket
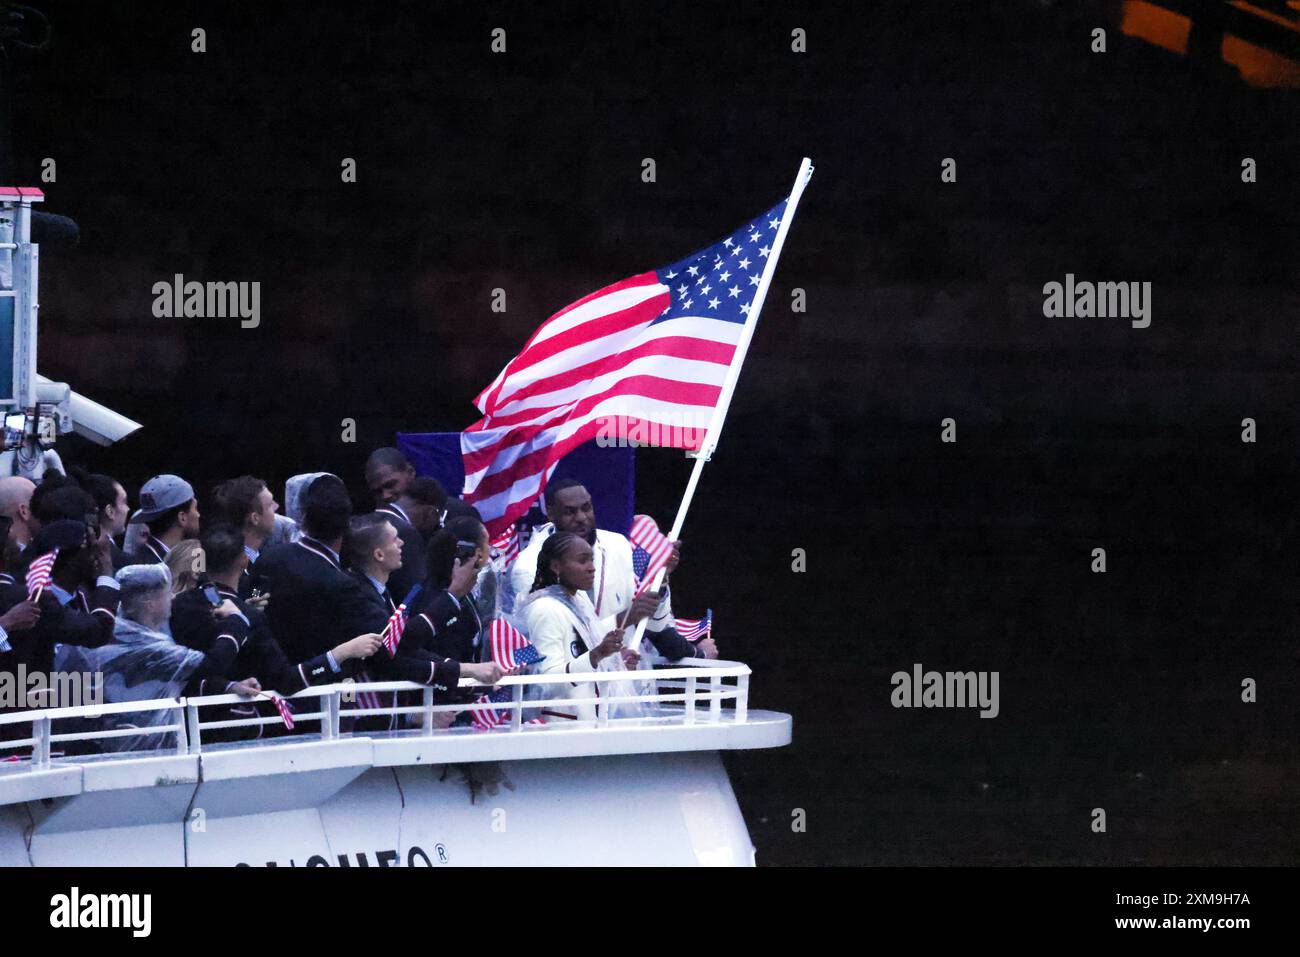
560,620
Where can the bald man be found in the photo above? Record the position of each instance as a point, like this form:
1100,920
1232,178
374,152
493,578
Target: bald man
16,502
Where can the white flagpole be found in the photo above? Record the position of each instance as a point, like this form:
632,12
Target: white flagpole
710,442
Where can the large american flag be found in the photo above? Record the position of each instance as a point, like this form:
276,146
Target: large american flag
510,649
40,573
648,353
646,538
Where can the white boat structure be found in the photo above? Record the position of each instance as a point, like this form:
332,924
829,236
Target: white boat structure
649,790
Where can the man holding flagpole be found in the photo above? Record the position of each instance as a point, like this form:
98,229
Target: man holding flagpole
614,589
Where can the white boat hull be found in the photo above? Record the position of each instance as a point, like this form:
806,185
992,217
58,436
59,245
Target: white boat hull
670,809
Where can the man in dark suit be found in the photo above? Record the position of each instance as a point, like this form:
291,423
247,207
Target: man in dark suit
78,607
426,504
410,572
195,625
200,624
314,604
389,476
110,501
246,504
19,615
374,551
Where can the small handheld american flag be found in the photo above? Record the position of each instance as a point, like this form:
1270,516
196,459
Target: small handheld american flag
286,712
506,545
366,699
510,649
489,718
693,629
486,720
393,631
645,535
39,574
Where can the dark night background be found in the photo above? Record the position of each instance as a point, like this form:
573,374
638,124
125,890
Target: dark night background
1119,691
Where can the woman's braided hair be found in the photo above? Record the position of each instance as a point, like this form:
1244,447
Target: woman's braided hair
556,544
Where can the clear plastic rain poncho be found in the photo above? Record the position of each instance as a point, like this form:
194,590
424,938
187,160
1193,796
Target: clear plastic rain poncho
133,540
284,530
294,489
486,595
141,664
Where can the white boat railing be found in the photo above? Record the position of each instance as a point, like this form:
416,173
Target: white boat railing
684,694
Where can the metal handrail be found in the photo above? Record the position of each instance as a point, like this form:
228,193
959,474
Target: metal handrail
338,701
42,722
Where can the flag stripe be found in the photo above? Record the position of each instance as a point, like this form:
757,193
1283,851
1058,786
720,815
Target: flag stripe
512,503
622,296
674,388
641,279
506,449
605,317
595,338
599,352
697,356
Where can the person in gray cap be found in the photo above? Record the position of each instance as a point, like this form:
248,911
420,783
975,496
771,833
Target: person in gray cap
170,511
